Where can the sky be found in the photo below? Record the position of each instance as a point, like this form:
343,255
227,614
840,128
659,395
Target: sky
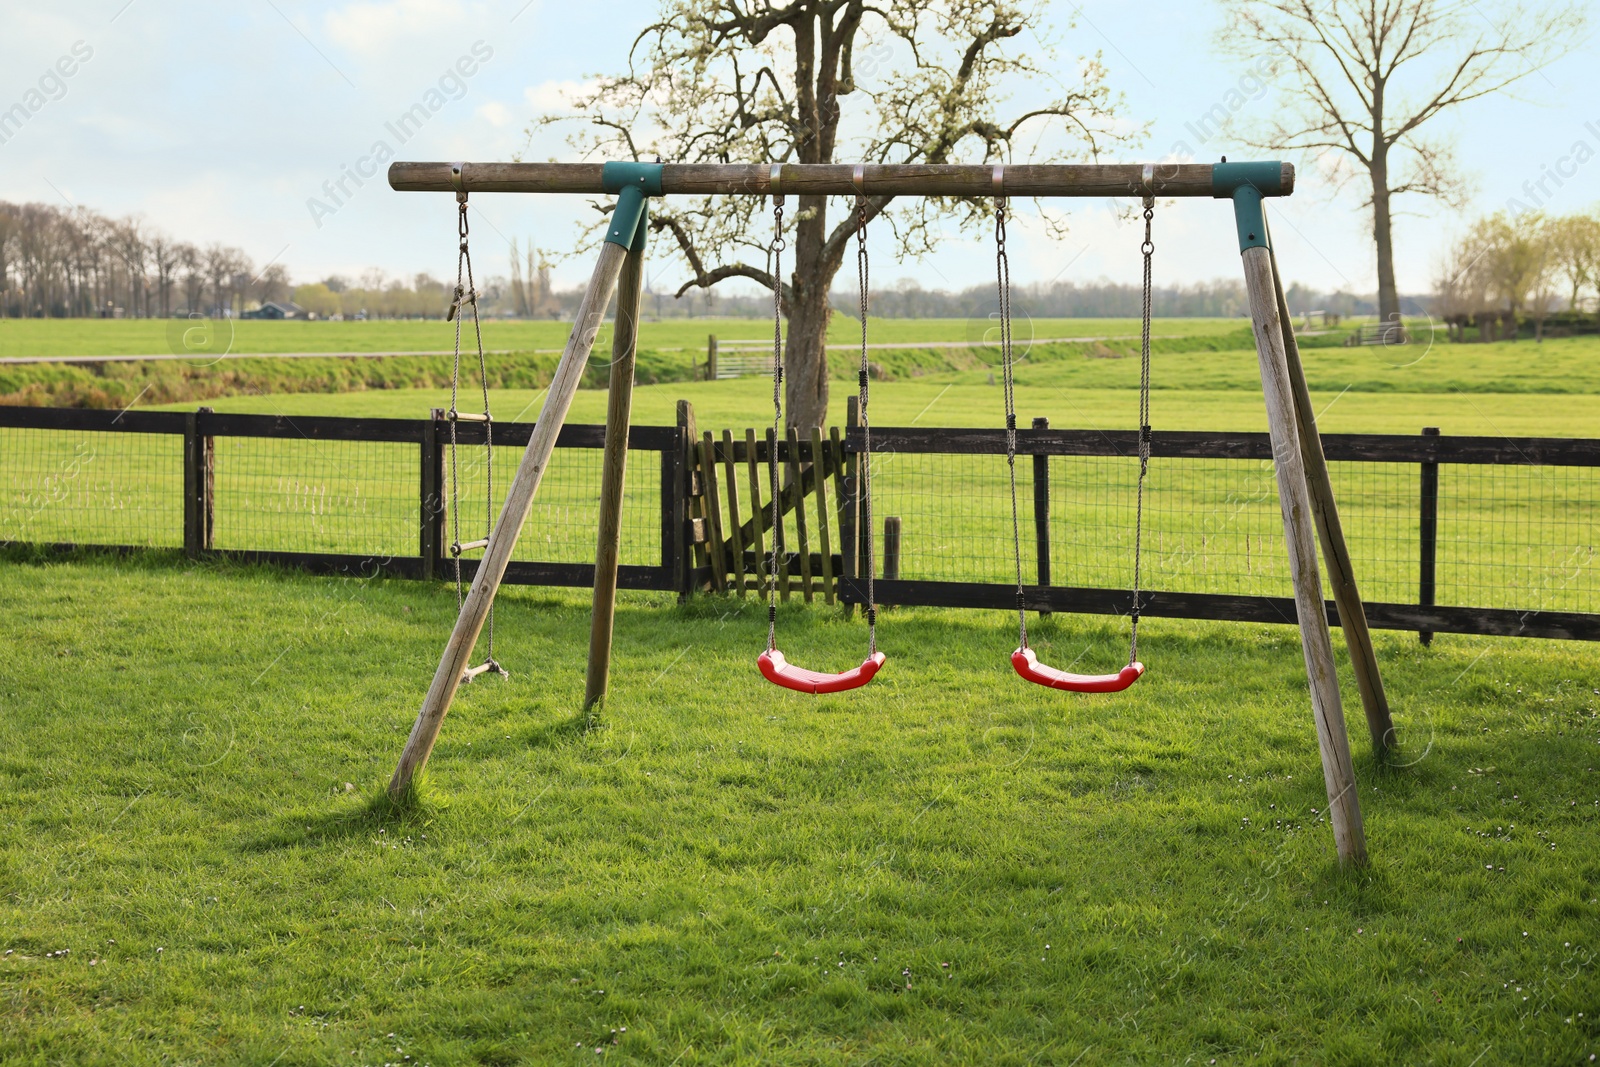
230,122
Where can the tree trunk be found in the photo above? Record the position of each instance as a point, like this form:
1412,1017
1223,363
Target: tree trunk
1383,237
805,354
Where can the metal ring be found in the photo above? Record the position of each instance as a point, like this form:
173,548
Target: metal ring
1147,179
458,178
858,178
998,180
775,183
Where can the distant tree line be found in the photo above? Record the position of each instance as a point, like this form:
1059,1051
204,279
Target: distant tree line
74,262
1509,270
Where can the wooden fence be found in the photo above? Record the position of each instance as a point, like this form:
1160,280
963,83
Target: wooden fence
700,516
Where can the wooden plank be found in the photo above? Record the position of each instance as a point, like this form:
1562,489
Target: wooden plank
1227,607
613,478
91,419
780,548
819,463
640,438
801,535
730,472
317,427
1179,444
519,502
1299,534
1330,532
832,179
685,493
713,506
629,576
753,534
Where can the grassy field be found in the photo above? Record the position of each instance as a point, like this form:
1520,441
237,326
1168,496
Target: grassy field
1512,389
946,867
196,865
119,337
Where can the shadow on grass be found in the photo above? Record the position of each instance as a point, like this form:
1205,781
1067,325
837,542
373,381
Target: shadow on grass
416,808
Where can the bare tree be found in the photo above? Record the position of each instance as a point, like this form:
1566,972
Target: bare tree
1366,77
192,261
164,254
273,284
768,80
10,225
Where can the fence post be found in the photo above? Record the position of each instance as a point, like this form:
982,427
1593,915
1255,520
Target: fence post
208,486
891,548
193,482
430,534
711,358
685,510
1041,510
1427,555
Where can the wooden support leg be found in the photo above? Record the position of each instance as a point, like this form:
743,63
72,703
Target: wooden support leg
1344,808
1335,553
608,542
519,502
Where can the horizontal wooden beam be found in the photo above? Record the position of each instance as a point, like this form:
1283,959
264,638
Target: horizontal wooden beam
832,179
1227,607
1205,444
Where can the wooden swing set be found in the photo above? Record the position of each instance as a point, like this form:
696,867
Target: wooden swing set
1304,489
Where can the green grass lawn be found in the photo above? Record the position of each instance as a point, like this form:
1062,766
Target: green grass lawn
118,337
948,866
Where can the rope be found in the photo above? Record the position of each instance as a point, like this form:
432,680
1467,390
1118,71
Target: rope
866,425
775,267
466,293
1003,284
1148,249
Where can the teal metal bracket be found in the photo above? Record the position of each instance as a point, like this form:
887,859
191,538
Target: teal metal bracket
1245,184
633,183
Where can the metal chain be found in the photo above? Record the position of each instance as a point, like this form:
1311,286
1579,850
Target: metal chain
1003,284
775,268
1148,249
866,426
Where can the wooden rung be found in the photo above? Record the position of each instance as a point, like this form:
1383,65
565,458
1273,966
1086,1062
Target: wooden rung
467,416
487,665
457,547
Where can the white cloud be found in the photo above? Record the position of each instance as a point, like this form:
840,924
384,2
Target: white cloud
496,114
555,95
375,27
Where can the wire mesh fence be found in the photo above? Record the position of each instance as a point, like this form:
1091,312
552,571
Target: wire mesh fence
91,487
1210,525
566,512
285,495
1517,521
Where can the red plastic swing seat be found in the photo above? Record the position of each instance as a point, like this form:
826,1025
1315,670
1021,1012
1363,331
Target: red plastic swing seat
1028,665
780,671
